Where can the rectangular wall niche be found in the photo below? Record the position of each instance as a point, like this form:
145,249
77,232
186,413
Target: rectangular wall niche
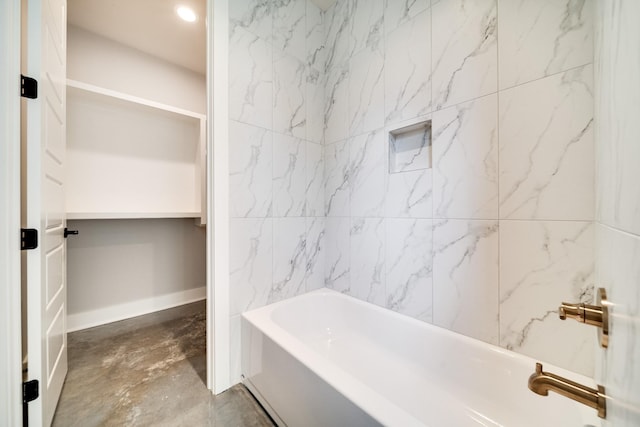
410,147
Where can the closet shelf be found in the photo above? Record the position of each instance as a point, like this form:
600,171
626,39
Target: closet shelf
87,87
130,215
120,146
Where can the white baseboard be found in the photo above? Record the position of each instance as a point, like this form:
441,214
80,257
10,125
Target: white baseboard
114,313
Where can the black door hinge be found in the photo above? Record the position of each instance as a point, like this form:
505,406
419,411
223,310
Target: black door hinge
28,238
30,392
28,87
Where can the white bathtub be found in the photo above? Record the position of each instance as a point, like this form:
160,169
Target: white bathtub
326,359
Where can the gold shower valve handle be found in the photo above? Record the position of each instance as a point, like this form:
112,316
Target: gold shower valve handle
584,313
570,310
596,315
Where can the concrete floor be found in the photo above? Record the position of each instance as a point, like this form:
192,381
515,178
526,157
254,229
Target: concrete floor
149,371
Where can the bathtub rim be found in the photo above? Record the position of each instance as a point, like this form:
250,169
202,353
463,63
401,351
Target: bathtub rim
364,397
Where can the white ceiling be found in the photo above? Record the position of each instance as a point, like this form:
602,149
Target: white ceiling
151,26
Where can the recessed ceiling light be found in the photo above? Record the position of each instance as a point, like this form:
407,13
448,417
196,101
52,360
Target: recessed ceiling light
186,13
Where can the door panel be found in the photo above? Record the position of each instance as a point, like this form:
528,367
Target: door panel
55,274
54,142
55,344
46,266
53,204
55,67
59,21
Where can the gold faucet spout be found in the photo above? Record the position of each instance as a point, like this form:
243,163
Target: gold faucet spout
541,382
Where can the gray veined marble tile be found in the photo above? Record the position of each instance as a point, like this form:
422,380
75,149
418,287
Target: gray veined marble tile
547,148
618,271
617,94
289,182
399,12
409,266
337,23
250,79
465,158
465,277
366,26
464,56
289,27
542,264
289,90
315,42
366,92
315,98
337,254
289,258
410,147
254,16
336,105
337,177
407,69
250,168
367,174
367,268
314,181
543,37
618,193
409,194
250,262
316,77
315,253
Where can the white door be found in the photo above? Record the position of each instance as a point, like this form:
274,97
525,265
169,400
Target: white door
46,265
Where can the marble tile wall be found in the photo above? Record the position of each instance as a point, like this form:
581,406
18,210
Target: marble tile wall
499,230
488,239
276,160
617,66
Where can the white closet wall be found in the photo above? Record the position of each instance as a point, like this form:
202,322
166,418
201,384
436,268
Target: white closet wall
102,62
126,267
131,157
119,268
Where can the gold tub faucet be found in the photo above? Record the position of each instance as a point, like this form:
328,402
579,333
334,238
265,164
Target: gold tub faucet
541,382
596,315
